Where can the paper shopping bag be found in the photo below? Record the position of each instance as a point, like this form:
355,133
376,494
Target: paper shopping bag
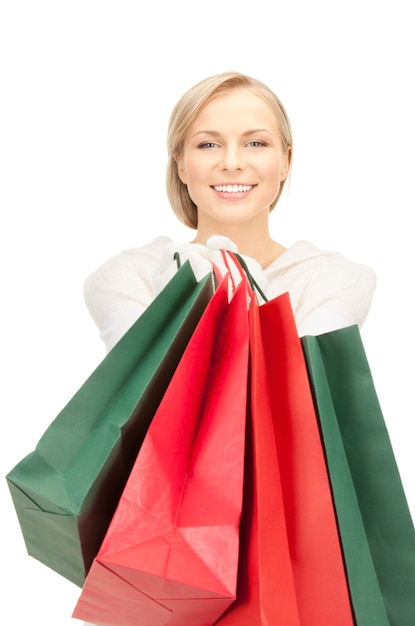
376,528
67,489
170,556
291,567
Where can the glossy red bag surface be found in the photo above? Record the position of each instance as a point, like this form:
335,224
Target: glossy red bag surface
171,552
291,567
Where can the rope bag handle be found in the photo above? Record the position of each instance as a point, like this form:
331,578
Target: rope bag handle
216,274
244,270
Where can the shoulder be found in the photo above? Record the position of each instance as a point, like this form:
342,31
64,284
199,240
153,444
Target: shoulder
125,278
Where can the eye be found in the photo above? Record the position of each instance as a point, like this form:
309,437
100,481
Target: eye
257,144
207,144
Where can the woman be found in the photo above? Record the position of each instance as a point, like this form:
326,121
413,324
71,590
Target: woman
230,153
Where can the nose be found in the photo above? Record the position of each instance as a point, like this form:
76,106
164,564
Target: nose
231,159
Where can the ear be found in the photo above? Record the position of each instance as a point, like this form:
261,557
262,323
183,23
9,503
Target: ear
285,164
181,171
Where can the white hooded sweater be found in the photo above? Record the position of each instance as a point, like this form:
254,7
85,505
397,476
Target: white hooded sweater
327,291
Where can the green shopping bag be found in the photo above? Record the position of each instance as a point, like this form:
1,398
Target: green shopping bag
66,490
376,529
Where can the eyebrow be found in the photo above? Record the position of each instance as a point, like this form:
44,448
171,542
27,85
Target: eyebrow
215,133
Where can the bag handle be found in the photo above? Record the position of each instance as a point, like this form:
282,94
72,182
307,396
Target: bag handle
239,262
216,275
251,279
243,268
176,257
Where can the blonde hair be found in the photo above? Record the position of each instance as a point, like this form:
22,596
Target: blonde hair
182,118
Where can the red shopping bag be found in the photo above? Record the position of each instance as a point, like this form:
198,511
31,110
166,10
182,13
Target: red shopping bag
291,569
170,555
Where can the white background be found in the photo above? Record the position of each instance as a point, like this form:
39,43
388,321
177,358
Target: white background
86,90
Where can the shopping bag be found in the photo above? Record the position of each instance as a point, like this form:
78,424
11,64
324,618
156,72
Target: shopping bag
376,528
170,556
66,490
291,566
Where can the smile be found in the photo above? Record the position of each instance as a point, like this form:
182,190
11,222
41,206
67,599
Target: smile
232,188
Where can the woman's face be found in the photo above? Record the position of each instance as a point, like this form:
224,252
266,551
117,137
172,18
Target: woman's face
233,161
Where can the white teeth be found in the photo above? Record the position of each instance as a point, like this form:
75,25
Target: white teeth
232,188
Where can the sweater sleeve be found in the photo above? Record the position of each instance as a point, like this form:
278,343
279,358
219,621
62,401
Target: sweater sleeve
120,290
337,294
327,290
